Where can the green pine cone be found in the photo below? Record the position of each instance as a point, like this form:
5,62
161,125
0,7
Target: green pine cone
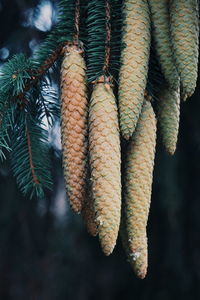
138,181
185,34
162,39
168,117
134,63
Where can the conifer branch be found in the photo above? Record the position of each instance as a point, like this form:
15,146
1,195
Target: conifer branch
38,73
96,38
35,179
51,59
5,125
30,159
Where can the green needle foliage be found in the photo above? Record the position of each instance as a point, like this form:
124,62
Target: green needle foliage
6,121
96,42
30,155
15,74
27,98
116,34
62,32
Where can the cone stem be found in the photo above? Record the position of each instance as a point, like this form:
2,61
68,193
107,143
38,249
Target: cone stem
77,21
108,36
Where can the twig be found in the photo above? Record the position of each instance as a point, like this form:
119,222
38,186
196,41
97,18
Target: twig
108,37
37,74
35,179
77,21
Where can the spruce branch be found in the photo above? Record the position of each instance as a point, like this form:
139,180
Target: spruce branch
104,22
48,99
20,74
32,167
29,158
115,43
96,40
15,74
5,126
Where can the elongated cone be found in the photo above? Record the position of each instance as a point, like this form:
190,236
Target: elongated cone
138,182
134,59
105,160
162,40
168,117
185,35
74,109
88,213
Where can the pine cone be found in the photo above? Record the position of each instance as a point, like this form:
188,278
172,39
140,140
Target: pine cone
138,180
162,38
134,59
185,34
104,146
168,116
74,109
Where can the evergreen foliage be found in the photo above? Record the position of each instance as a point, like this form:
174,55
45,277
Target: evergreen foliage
96,41
6,117
94,29
26,99
15,75
61,33
29,157
116,44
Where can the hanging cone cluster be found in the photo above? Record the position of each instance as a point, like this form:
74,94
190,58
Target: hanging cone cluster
126,64
156,63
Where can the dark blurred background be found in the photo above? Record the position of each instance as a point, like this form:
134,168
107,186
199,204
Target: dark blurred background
45,251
